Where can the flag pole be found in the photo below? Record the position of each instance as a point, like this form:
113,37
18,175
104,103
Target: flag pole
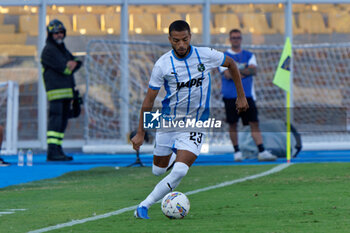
289,93
284,74
288,138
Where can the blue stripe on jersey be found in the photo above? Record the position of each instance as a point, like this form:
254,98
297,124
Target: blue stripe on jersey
166,100
153,87
206,112
223,60
200,100
189,88
177,93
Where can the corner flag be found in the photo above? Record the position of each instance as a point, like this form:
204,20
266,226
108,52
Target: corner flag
282,80
282,75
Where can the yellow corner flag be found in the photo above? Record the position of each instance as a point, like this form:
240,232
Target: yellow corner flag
282,79
282,74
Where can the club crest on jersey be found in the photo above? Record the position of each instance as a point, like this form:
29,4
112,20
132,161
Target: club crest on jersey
189,84
200,67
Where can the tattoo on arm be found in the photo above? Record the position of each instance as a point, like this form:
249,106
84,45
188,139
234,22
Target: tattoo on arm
248,71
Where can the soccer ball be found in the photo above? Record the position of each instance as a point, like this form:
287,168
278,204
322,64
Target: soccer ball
175,205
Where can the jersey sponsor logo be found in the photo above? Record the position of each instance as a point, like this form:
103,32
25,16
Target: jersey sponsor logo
191,83
200,67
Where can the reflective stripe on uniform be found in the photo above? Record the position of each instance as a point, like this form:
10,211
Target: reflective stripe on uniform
60,94
55,134
54,141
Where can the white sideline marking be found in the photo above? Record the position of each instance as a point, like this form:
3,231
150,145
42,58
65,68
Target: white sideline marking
10,211
2,213
227,183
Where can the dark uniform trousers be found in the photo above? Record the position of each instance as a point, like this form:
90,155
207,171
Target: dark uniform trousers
59,111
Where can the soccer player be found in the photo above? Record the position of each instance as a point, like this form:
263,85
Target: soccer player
2,162
185,73
247,65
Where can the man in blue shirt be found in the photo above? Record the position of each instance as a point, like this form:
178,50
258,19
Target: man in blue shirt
247,65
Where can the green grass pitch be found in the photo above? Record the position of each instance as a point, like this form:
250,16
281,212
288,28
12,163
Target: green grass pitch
300,198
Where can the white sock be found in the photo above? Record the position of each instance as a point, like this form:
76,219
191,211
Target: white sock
157,171
166,185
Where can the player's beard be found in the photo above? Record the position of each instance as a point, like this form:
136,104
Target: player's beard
182,56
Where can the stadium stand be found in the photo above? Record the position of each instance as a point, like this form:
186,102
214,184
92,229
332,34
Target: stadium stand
195,21
13,38
14,10
244,8
17,50
157,9
225,22
26,23
99,9
301,7
167,19
219,8
269,7
112,23
278,22
345,7
187,8
70,10
257,23
138,25
7,28
87,24
136,10
324,8
313,23
339,21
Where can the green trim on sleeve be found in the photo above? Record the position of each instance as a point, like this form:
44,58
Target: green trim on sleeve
67,71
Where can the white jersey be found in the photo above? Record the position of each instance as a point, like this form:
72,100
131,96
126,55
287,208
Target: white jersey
186,81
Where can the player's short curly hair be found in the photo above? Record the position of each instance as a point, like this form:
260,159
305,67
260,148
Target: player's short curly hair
179,25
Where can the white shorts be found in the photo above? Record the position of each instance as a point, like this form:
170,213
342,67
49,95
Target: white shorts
168,142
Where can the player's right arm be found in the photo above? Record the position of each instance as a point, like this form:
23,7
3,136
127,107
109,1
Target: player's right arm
155,82
147,106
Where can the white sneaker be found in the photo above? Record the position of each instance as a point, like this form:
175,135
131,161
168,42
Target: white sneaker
238,157
266,156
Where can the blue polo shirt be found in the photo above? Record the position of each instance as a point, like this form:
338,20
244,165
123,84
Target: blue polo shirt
242,59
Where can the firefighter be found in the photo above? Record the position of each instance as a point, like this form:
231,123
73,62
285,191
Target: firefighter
59,65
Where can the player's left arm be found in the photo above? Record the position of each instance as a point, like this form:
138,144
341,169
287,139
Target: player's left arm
241,102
